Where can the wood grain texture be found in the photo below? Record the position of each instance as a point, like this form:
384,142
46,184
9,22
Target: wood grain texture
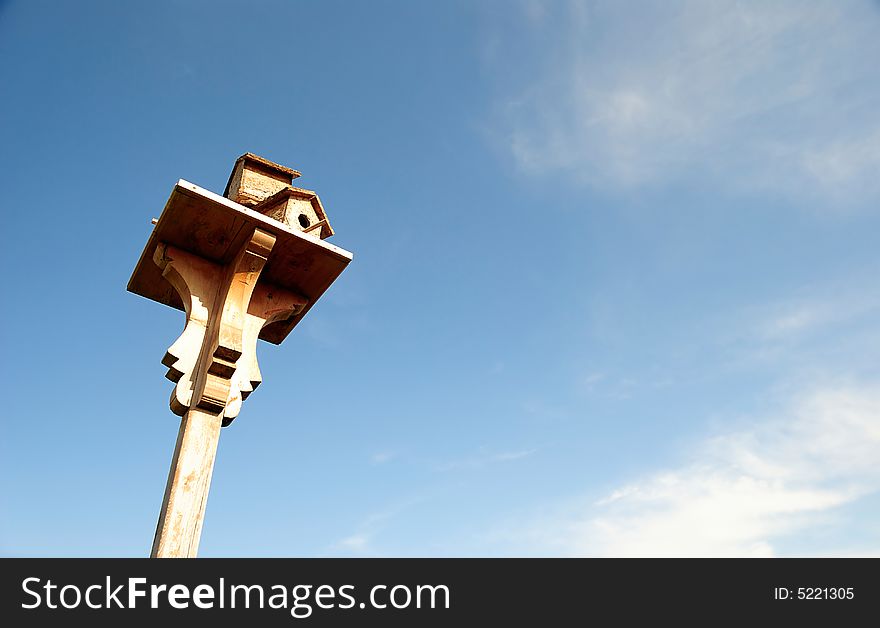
211,377
186,493
240,275
214,228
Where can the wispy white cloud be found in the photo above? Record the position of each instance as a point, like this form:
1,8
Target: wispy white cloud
796,320
831,326
781,96
506,456
485,457
611,386
588,382
363,541
742,493
790,322
381,457
359,544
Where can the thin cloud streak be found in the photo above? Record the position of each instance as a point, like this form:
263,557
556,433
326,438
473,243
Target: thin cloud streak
779,97
485,458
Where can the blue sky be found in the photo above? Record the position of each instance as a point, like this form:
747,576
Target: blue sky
614,289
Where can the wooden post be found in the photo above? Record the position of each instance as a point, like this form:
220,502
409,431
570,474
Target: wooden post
186,494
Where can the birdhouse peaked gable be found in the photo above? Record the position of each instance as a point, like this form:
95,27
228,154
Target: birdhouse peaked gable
299,209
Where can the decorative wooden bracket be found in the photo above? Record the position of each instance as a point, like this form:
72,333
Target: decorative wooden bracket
225,310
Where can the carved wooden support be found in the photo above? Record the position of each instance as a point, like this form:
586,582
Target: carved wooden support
268,304
214,366
233,353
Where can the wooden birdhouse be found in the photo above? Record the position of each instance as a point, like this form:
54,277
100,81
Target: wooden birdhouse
266,187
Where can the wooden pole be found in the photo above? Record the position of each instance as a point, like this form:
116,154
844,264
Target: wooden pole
186,493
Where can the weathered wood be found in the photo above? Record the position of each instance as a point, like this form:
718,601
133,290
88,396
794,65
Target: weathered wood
268,304
213,228
186,492
204,362
298,209
240,275
254,178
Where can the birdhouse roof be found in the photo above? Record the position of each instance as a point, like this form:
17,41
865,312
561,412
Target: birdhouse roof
261,163
308,195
